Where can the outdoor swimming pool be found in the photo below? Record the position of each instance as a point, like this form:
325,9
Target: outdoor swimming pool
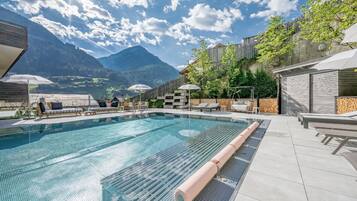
78,160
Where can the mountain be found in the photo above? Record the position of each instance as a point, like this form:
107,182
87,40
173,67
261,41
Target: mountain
72,69
140,66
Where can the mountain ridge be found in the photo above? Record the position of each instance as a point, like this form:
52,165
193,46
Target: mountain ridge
139,65
75,71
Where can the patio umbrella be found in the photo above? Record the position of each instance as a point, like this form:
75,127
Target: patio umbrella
139,88
27,79
189,87
350,34
340,61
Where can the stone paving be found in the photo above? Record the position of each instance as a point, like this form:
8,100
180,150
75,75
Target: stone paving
290,164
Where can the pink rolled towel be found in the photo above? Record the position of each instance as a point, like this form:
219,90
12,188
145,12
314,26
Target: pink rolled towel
193,185
223,156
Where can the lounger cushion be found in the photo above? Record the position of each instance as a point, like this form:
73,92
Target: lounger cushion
56,106
115,104
102,104
42,107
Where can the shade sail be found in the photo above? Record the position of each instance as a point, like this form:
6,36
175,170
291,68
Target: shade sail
340,61
350,34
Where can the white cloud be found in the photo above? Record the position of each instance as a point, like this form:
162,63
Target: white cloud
34,7
84,9
59,29
180,67
247,1
182,33
276,7
203,17
129,3
172,7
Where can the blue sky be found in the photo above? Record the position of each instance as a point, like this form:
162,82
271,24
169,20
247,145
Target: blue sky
168,29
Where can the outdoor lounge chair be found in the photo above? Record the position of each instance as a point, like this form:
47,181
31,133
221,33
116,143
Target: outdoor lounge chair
338,129
213,106
200,106
56,109
326,119
103,108
348,114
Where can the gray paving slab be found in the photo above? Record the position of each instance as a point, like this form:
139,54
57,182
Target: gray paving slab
329,181
264,187
317,194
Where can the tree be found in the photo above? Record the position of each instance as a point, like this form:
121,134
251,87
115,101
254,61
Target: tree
324,20
201,70
275,42
265,84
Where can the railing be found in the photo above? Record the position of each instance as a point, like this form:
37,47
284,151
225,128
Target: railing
168,87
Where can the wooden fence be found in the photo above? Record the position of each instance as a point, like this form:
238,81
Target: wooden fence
346,104
268,105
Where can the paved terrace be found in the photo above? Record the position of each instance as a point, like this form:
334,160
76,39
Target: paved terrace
290,164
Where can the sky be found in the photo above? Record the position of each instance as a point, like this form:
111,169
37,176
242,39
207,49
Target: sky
169,29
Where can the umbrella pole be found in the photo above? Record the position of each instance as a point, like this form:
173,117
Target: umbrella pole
140,102
28,93
189,99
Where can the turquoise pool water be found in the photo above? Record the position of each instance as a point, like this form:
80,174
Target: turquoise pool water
67,161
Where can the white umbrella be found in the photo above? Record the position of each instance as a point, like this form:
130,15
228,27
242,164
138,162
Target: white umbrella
340,61
189,87
350,34
27,79
139,88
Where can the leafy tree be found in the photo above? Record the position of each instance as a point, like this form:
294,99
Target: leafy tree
265,84
275,42
214,88
324,20
201,71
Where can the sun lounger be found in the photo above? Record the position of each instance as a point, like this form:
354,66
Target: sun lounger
45,110
213,106
103,108
200,106
348,114
337,129
327,119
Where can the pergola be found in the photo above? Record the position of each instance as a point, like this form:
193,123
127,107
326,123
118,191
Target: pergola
13,44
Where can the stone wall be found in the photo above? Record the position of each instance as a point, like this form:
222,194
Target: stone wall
346,104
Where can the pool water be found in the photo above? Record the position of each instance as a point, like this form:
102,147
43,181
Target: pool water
68,161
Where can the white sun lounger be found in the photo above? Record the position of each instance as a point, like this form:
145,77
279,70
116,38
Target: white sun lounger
327,119
301,116
200,106
337,129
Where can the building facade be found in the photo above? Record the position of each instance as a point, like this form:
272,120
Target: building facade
303,89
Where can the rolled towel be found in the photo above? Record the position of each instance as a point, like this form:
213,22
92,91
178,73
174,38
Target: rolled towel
238,141
223,156
193,185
